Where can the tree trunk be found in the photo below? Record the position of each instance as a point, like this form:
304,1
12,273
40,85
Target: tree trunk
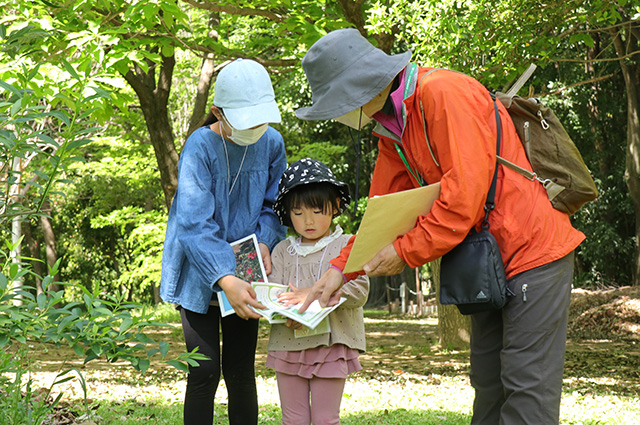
154,99
16,228
204,82
34,251
377,292
454,329
202,94
602,139
353,13
50,245
631,74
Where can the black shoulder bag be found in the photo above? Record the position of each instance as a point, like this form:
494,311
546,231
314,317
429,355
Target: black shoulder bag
472,274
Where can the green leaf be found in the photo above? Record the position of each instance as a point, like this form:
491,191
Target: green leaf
42,301
168,50
10,88
61,116
126,324
13,271
164,348
178,365
143,365
16,107
47,139
70,70
41,174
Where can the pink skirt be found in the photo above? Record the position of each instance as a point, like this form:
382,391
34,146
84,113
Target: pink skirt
336,361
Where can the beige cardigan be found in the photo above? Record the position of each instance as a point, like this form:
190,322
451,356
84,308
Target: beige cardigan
347,324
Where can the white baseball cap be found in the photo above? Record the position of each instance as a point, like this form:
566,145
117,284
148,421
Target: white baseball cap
244,92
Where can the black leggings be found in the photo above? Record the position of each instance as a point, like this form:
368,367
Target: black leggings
239,338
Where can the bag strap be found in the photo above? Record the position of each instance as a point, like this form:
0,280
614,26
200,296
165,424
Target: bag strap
490,203
521,81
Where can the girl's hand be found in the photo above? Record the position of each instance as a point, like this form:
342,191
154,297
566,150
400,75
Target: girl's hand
295,296
292,324
266,257
326,290
241,295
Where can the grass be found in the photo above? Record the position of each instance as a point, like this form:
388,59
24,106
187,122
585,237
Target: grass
406,379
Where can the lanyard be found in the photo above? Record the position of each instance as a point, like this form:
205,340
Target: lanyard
415,175
407,88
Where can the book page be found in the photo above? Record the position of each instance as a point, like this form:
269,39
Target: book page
267,294
386,218
266,290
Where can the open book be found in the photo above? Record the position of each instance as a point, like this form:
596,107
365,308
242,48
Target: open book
267,294
249,268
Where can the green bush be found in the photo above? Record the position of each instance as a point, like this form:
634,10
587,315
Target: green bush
94,327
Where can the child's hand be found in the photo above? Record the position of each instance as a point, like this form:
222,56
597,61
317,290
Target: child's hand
292,324
266,257
326,290
295,296
241,295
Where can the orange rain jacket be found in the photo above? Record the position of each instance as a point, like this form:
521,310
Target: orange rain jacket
461,127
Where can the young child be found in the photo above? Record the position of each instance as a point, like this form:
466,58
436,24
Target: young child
227,182
312,365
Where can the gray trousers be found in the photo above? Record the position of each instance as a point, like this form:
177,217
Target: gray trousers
517,354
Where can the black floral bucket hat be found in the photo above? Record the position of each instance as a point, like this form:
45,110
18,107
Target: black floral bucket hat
306,171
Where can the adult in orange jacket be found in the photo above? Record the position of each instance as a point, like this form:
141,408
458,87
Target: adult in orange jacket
444,124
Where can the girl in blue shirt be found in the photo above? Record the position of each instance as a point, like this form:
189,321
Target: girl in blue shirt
227,182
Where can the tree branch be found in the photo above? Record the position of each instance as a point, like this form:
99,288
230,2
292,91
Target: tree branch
581,83
235,10
616,59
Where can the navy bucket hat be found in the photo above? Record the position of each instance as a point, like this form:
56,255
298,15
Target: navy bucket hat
307,171
346,71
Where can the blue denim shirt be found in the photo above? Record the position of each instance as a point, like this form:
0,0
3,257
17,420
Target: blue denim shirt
204,217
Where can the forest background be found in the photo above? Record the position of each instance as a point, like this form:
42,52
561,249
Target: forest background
96,99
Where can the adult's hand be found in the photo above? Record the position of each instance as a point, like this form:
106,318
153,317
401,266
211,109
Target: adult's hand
241,295
326,290
266,257
387,262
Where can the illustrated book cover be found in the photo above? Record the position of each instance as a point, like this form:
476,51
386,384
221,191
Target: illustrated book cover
249,268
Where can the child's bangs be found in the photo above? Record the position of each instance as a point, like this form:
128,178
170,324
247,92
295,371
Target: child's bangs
317,195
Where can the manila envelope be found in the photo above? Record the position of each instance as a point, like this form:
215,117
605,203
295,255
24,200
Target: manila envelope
386,218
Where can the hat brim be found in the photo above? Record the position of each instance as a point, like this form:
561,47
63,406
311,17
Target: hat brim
355,87
251,116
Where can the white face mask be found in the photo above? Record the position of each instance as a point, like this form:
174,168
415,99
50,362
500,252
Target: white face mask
353,118
245,137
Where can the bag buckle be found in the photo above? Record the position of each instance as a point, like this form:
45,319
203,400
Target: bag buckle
488,207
